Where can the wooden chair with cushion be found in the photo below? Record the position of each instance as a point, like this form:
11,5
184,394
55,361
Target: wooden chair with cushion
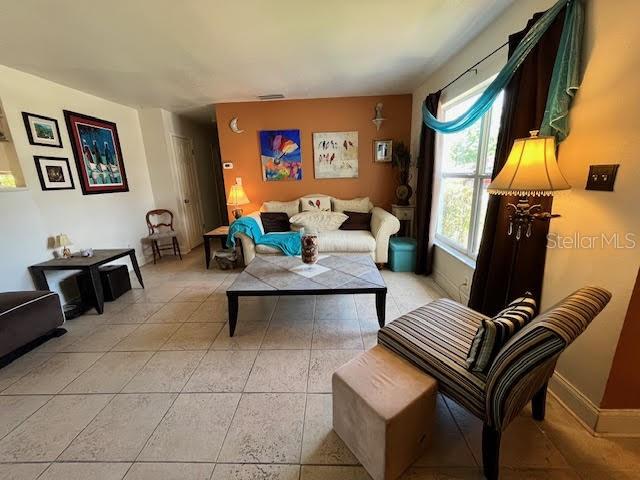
161,231
437,338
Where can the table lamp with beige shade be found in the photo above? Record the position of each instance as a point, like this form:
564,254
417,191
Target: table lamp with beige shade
237,196
531,170
63,241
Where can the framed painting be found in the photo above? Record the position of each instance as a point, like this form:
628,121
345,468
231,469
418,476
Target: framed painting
54,173
96,148
382,151
335,154
42,130
280,155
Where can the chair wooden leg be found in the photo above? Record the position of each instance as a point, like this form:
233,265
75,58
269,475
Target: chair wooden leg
175,240
158,249
153,249
539,403
490,452
173,244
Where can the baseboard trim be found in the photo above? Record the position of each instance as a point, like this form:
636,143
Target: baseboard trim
599,422
450,287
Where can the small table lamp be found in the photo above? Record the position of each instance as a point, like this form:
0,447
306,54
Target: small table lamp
531,170
237,196
63,241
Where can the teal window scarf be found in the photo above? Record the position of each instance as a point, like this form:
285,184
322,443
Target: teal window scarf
565,79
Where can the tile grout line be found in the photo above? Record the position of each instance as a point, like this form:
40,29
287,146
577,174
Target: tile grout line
226,433
306,394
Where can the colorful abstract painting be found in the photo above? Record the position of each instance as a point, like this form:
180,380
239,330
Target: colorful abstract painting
335,154
280,155
96,148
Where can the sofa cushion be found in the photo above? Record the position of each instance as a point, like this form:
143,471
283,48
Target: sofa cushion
362,205
290,208
316,222
494,332
356,221
275,222
436,338
347,241
315,203
337,241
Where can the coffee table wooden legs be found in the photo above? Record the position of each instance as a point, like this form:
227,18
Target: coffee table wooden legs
381,302
233,312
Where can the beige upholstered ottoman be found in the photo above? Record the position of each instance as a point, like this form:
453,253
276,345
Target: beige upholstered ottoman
383,409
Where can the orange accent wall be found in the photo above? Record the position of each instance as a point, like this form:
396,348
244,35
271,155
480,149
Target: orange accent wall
623,386
375,180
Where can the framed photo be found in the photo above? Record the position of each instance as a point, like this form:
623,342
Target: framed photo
54,173
42,130
382,151
280,155
96,148
335,155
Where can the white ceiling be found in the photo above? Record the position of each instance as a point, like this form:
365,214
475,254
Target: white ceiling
184,54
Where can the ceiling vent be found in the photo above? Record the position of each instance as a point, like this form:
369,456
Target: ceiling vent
272,96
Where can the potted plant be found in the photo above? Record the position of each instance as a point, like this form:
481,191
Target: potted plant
402,161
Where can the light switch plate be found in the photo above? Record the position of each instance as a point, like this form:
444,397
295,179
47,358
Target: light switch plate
227,165
602,177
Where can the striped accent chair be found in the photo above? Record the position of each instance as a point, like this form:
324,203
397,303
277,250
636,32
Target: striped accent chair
437,337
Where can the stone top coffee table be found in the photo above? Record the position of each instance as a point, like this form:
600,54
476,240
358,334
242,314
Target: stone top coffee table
333,275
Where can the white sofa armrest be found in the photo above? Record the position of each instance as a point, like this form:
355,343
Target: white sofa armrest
383,225
248,247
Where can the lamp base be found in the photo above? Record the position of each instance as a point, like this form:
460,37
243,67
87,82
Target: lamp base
237,213
66,253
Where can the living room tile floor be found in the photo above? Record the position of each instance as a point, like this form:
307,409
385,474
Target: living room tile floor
156,389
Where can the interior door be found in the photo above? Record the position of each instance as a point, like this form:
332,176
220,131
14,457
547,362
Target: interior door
188,189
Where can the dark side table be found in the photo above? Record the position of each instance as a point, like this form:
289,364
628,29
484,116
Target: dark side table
90,265
220,233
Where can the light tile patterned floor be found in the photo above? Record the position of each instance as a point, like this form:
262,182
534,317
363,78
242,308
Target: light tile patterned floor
156,389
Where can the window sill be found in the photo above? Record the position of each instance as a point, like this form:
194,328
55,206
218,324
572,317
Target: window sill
12,189
468,261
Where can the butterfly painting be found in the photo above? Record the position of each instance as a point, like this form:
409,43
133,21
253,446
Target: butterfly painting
335,155
280,155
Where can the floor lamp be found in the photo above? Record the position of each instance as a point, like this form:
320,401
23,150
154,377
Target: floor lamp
531,170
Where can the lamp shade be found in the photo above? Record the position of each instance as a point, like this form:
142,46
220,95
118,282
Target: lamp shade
530,170
237,196
62,240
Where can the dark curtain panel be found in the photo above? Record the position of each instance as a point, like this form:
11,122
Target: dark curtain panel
524,102
424,191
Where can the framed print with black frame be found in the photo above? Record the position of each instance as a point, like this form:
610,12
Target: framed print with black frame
54,173
96,148
41,130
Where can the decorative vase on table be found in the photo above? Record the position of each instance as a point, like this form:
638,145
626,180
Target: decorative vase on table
402,161
309,248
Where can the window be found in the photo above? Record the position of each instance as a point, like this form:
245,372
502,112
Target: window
466,163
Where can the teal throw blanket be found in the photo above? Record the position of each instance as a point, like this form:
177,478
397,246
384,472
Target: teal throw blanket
289,242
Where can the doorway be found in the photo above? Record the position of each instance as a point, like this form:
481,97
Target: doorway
190,203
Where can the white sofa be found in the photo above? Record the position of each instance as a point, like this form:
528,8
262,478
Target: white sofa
374,242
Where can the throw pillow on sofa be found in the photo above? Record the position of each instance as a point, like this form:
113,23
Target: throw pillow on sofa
275,222
495,332
357,221
315,204
290,208
316,222
360,205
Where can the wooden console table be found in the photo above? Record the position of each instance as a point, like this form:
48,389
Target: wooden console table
86,264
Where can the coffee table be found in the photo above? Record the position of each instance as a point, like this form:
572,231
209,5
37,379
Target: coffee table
274,275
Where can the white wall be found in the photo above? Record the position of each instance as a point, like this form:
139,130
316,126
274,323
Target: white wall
605,129
157,127
30,216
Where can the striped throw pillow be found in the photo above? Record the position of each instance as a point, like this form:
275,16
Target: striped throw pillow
494,333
